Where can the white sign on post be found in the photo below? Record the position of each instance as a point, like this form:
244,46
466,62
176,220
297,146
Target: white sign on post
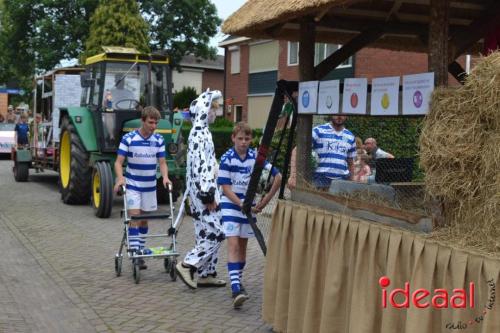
308,97
329,97
67,92
354,96
417,91
385,96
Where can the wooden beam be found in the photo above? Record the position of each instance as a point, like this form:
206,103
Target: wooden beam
390,27
304,122
395,8
453,4
322,13
438,41
342,54
371,13
461,41
275,29
457,71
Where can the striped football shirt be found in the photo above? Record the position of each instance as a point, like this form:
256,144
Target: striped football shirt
142,156
333,149
236,172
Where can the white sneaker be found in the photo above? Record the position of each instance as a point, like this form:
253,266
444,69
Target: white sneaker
238,299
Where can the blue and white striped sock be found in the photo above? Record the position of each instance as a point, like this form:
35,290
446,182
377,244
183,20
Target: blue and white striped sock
234,276
240,270
133,238
142,240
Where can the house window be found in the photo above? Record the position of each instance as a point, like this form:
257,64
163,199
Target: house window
262,82
238,113
235,61
323,51
293,53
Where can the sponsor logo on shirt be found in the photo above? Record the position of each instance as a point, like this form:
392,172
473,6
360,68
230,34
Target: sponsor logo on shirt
144,155
240,182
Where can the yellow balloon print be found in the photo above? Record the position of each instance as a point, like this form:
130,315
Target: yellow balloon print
385,101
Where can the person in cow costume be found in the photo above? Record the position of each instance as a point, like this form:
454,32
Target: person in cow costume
201,178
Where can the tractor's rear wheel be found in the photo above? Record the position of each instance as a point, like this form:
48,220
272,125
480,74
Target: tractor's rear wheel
74,170
102,189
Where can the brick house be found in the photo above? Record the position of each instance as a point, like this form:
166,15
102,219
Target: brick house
253,67
199,74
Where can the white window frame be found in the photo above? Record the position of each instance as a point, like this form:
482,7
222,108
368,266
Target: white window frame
236,106
235,54
288,54
322,47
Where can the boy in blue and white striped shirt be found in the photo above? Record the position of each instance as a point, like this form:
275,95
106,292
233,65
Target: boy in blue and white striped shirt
143,149
336,149
234,176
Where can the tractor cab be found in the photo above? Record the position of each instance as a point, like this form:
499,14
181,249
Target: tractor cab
117,84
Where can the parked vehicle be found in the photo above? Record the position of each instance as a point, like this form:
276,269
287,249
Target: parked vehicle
7,138
79,139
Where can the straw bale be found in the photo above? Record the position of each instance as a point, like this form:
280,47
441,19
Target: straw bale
460,153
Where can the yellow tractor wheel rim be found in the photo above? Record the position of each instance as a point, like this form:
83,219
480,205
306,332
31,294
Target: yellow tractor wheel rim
96,192
65,159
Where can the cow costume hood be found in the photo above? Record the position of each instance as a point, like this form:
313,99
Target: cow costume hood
201,163
200,108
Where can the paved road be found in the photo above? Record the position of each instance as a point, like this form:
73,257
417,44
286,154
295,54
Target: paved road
57,273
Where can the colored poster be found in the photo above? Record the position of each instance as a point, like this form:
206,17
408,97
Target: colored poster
354,96
329,97
417,90
385,96
308,97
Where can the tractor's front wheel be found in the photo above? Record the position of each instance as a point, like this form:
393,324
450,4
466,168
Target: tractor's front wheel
74,170
102,189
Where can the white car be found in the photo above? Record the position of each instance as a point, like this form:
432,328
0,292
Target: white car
7,138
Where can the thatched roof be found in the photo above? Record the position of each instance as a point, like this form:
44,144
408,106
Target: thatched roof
406,22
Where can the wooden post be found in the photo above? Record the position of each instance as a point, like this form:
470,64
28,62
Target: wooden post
438,40
304,122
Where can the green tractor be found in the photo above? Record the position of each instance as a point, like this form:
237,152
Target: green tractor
115,85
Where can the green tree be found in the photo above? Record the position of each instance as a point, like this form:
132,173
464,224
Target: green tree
182,27
184,97
117,23
39,34
35,35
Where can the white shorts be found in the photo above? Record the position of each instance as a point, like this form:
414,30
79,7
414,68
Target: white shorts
145,201
243,230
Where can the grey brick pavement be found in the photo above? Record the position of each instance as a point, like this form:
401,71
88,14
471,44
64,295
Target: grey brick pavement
59,276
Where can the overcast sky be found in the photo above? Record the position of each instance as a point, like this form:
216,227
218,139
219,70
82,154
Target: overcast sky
224,9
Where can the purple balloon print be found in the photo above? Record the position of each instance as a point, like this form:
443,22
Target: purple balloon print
418,99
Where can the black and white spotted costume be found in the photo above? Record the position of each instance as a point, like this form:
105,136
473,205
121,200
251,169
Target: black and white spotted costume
201,176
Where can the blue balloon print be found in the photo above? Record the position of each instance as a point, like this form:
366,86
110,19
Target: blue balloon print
305,99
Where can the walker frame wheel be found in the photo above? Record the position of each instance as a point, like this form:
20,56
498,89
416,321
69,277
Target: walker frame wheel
137,271
167,264
173,272
118,264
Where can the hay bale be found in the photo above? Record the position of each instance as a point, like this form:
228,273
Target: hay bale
460,153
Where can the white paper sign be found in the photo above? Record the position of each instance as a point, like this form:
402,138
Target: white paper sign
354,96
417,91
308,97
329,97
385,96
67,92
